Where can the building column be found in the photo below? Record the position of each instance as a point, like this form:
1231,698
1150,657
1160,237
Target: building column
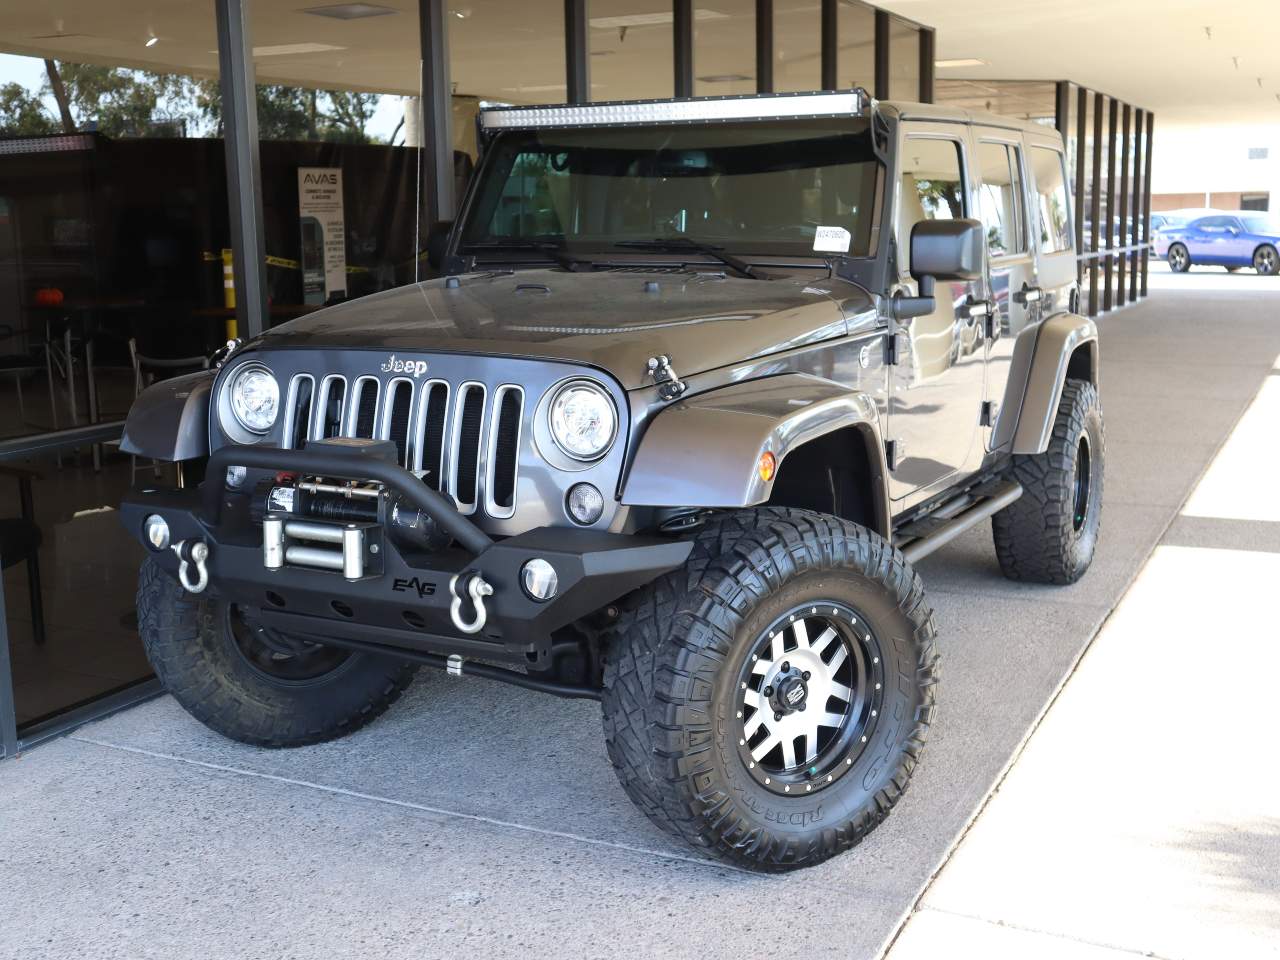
928,54
882,55
1082,130
1123,260
764,46
437,112
1146,197
682,35
244,170
1095,203
1135,232
830,42
577,76
1113,113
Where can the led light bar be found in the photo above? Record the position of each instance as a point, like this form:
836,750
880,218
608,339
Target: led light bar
697,110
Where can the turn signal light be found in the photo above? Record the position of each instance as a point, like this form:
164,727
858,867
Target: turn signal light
767,466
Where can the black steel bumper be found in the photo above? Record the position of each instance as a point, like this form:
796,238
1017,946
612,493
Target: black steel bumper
405,601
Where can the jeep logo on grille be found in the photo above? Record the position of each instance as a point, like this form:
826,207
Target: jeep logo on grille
415,368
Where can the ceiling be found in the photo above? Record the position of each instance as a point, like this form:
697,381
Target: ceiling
1156,55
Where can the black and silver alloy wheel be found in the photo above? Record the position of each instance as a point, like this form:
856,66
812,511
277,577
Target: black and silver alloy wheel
278,657
1179,258
1266,261
811,694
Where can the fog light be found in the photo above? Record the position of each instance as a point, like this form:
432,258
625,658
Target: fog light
236,476
585,503
539,579
156,529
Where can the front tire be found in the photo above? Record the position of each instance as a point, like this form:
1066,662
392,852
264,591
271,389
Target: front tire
1266,261
1049,534
769,701
255,687
1179,258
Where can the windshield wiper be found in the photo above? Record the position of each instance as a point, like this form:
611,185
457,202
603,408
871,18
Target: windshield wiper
688,243
554,252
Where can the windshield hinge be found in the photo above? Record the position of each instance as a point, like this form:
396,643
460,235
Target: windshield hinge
670,386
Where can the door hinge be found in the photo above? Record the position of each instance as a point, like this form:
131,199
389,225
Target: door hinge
990,410
894,451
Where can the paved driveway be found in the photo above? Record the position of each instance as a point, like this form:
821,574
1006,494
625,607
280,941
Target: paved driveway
481,819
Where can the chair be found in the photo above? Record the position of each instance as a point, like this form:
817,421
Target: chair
147,369
20,541
17,365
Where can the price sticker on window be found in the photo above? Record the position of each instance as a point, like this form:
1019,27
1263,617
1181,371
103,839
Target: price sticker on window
831,240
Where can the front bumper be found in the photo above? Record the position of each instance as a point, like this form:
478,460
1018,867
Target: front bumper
405,602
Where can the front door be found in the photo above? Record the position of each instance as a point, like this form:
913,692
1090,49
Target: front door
936,383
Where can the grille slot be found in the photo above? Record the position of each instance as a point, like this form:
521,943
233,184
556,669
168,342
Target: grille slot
332,401
364,408
298,419
469,422
433,415
504,451
398,407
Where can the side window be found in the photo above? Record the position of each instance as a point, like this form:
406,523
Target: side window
1051,193
1000,198
932,187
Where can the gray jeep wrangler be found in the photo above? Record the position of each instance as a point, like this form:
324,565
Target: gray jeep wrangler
699,382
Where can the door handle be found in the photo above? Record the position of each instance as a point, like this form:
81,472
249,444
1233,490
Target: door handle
1028,294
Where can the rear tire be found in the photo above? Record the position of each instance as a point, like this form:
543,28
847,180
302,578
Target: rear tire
1266,261
209,658
1179,258
1048,535
716,755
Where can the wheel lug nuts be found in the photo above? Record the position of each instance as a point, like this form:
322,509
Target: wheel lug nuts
802,706
786,665
806,674
777,716
768,691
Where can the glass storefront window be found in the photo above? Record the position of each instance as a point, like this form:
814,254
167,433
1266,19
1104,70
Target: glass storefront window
631,49
508,52
856,33
724,47
797,45
904,60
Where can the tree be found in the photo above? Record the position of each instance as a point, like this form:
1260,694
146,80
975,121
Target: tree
23,115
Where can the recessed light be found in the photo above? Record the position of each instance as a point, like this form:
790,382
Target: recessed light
350,11
284,49
961,62
652,19
724,78
152,41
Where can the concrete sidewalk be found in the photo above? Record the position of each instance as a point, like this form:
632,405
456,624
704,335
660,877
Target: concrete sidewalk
485,819
1143,818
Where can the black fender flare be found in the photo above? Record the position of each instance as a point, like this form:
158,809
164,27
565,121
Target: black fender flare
170,419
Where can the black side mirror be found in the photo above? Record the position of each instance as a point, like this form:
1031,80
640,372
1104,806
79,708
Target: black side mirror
438,242
941,250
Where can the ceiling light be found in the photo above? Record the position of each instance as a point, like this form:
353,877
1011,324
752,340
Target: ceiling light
152,41
724,78
651,19
284,49
961,62
350,11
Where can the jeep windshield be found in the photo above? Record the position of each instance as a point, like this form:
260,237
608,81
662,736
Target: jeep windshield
729,193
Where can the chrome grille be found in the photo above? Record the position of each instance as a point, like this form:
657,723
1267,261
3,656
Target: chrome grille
459,440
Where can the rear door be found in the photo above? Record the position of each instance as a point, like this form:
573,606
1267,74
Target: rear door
1209,239
936,382
1002,208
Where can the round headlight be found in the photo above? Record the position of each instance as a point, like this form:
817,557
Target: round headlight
583,420
255,397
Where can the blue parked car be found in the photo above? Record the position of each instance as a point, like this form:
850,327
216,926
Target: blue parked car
1227,240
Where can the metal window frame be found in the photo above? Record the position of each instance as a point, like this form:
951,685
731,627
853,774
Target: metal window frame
1109,264
1122,220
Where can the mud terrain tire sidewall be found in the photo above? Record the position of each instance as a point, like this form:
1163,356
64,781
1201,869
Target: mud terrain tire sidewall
671,697
1036,537
198,663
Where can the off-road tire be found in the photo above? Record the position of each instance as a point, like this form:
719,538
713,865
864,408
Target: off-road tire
199,664
670,679
1179,258
1037,537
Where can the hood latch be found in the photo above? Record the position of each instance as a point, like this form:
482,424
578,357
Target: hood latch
670,386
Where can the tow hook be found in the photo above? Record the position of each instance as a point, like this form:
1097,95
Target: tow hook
192,552
477,589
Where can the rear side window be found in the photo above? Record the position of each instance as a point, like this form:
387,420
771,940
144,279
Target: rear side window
1000,198
932,186
1051,193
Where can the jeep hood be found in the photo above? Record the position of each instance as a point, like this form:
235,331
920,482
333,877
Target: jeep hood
613,320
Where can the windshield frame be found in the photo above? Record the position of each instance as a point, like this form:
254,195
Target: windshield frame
604,249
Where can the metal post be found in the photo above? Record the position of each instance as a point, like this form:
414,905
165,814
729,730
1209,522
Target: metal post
437,111
577,78
1095,203
244,172
682,35
1113,113
830,45
1062,107
928,53
882,55
8,716
1135,229
1082,115
1123,259
1146,196
764,46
